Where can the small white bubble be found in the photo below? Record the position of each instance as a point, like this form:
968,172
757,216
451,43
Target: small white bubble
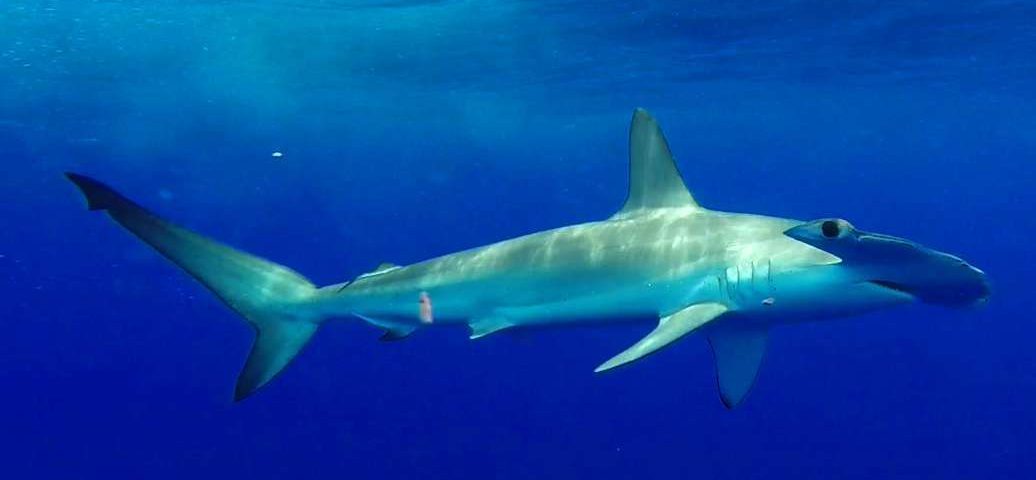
276,154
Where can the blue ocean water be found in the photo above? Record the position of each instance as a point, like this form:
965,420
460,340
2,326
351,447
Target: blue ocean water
413,129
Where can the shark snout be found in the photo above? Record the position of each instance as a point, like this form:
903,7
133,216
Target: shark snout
977,289
898,264
946,280
984,292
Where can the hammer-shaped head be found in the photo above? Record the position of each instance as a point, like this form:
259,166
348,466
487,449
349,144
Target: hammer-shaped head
898,264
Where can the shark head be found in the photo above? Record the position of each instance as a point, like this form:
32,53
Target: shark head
897,264
741,274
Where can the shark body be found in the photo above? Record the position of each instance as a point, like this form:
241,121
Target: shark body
730,276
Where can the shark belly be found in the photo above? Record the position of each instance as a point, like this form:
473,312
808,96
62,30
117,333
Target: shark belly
818,294
534,297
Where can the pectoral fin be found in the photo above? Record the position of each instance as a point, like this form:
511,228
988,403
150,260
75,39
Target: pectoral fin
669,329
738,351
484,326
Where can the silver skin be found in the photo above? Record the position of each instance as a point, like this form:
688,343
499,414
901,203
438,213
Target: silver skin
647,265
731,276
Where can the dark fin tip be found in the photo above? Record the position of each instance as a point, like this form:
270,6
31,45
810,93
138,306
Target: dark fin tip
390,336
240,397
729,404
241,391
98,195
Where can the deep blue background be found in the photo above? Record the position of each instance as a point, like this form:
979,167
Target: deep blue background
413,129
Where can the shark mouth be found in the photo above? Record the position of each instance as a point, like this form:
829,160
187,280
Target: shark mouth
892,286
896,287
944,297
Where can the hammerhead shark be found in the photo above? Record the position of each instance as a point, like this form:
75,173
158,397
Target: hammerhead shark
731,277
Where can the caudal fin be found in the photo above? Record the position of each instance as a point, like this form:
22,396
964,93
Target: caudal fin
269,296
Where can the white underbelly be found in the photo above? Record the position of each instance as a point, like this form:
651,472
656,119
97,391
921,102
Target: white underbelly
796,297
629,302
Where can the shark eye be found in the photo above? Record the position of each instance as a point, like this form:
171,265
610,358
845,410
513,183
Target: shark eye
830,229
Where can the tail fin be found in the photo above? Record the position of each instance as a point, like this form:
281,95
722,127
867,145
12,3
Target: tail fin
266,294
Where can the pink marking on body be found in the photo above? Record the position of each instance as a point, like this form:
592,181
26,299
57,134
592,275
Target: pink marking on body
424,308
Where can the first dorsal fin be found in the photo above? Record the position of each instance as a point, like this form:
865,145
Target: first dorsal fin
654,181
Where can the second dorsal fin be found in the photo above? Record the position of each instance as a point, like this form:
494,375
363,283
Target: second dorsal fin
654,181
383,268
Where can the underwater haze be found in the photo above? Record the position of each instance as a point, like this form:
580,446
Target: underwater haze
334,135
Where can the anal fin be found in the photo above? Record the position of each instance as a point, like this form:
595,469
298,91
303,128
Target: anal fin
670,328
394,333
393,330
